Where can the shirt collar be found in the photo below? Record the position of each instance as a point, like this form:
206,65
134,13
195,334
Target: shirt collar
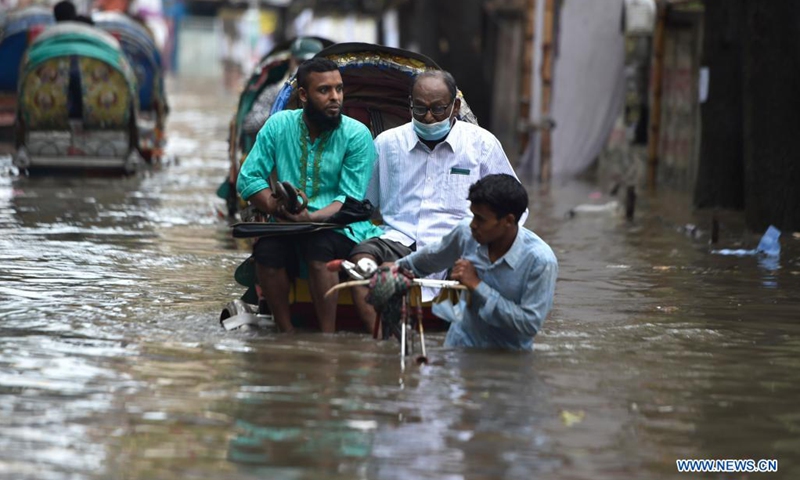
412,140
514,254
304,133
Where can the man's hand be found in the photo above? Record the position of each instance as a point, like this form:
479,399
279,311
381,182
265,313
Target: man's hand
271,204
283,215
465,272
264,201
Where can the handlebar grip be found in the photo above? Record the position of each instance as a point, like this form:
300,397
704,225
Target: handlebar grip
334,265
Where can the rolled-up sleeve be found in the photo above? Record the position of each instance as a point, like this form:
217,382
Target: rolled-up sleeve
357,166
537,300
258,165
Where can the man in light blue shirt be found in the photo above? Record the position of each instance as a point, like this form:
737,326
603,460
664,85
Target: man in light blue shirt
329,156
509,271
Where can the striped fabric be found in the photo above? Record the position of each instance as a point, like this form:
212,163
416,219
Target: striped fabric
337,164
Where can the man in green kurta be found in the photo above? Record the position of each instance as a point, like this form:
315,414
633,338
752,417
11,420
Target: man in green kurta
329,156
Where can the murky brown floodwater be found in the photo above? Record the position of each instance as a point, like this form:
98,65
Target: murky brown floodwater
113,365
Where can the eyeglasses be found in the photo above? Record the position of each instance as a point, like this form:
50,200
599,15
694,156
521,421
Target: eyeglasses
436,110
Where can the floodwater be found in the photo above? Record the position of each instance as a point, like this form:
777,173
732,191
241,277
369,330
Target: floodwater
113,364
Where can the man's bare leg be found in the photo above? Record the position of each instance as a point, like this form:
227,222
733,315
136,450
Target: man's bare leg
365,311
275,286
320,280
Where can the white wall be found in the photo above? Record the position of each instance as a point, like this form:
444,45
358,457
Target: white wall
588,84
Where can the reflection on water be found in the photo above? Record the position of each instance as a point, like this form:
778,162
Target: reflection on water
112,364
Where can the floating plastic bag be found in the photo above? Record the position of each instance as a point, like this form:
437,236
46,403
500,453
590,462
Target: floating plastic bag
769,245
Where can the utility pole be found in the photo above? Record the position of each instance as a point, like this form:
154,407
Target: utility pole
548,55
526,102
655,108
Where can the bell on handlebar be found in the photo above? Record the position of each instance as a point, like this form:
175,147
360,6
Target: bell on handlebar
366,267
360,270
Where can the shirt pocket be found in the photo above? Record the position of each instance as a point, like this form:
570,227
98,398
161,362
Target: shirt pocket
457,183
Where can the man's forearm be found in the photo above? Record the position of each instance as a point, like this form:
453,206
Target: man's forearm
435,257
501,312
323,213
527,315
264,201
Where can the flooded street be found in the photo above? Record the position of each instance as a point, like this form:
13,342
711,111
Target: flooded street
113,364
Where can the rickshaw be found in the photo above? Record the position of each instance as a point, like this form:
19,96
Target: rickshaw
377,83
145,59
271,69
77,104
18,30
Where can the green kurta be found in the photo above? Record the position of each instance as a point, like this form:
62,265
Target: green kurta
337,164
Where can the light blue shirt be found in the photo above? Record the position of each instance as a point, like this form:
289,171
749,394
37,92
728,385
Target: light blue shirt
515,294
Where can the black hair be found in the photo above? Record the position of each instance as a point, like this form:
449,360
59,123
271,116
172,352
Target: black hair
84,19
64,10
442,75
314,65
502,193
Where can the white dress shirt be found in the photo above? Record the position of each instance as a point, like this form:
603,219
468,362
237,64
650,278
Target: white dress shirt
422,193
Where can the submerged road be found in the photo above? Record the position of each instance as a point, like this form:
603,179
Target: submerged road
113,364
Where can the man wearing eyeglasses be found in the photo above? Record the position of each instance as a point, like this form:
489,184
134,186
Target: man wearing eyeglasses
421,179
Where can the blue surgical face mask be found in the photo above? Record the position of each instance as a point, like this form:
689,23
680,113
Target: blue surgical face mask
433,131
